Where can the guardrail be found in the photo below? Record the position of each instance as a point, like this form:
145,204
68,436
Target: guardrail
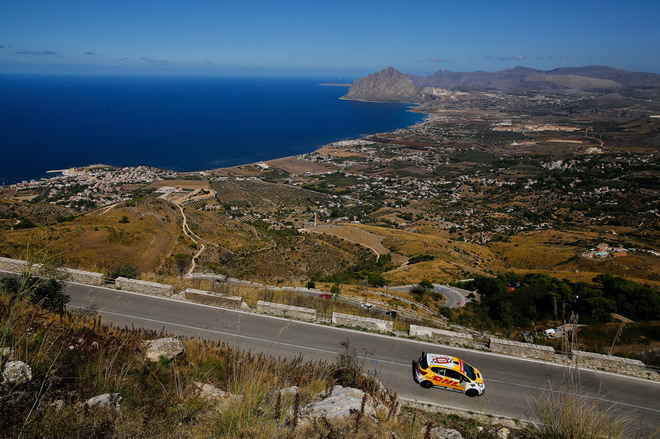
580,358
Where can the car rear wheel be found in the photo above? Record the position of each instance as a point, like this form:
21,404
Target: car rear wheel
426,384
472,393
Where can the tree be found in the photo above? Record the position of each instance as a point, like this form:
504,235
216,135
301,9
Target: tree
126,270
24,224
182,261
420,258
426,284
123,220
487,286
335,290
311,284
376,280
45,292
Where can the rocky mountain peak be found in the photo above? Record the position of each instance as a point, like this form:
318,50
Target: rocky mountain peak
386,85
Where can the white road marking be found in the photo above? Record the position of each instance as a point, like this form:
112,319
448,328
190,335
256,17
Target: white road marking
395,363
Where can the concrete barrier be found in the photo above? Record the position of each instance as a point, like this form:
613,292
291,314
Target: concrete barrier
518,349
362,322
441,335
609,363
80,276
210,298
13,265
144,287
83,277
280,310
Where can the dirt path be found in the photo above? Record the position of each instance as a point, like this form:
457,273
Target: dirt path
193,237
354,235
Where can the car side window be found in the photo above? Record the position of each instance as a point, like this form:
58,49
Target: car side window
438,370
453,374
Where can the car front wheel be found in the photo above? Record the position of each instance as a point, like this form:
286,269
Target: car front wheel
426,384
472,393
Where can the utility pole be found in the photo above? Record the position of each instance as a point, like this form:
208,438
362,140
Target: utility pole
616,337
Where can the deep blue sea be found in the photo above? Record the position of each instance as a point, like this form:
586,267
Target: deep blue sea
178,123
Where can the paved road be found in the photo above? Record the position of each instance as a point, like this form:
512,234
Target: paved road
510,381
455,298
313,292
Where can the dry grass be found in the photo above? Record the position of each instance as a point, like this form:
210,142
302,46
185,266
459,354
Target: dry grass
74,357
101,242
567,412
353,234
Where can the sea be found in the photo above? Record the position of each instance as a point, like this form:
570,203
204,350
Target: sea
176,123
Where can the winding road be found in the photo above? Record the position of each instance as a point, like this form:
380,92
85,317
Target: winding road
511,382
455,297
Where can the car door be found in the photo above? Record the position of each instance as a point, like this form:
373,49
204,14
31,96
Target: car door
454,380
439,376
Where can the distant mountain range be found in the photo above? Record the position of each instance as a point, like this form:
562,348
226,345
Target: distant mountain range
391,85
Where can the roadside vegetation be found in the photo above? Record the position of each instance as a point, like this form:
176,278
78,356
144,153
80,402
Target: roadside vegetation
510,300
613,314
73,357
568,412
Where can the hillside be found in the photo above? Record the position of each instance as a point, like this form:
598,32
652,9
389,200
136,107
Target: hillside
387,85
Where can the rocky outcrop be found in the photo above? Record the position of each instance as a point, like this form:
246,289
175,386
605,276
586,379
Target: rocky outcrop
168,348
344,401
209,392
218,397
16,372
386,85
444,433
110,400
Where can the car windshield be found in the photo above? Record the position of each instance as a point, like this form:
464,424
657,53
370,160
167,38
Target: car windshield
469,371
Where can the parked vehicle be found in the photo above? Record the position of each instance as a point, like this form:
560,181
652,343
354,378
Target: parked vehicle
447,373
391,313
367,306
325,296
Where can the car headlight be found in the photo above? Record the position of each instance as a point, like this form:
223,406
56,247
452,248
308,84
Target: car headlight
480,384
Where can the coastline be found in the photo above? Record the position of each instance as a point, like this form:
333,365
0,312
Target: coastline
226,169
412,107
427,116
298,116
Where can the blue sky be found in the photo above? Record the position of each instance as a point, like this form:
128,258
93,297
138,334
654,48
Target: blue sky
340,38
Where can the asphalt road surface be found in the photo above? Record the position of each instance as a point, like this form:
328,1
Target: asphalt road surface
455,298
510,382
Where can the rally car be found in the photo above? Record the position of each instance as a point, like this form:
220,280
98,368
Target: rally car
448,373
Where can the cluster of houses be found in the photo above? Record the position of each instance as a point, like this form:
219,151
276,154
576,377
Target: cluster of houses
93,186
603,250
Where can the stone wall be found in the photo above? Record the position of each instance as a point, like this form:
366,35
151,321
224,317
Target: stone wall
215,299
519,349
363,322
144,287
83,277
293,312
441,335
610,363
79,276
13,265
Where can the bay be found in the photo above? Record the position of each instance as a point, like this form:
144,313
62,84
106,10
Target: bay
177,123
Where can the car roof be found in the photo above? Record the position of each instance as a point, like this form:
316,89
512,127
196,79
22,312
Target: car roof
445,361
